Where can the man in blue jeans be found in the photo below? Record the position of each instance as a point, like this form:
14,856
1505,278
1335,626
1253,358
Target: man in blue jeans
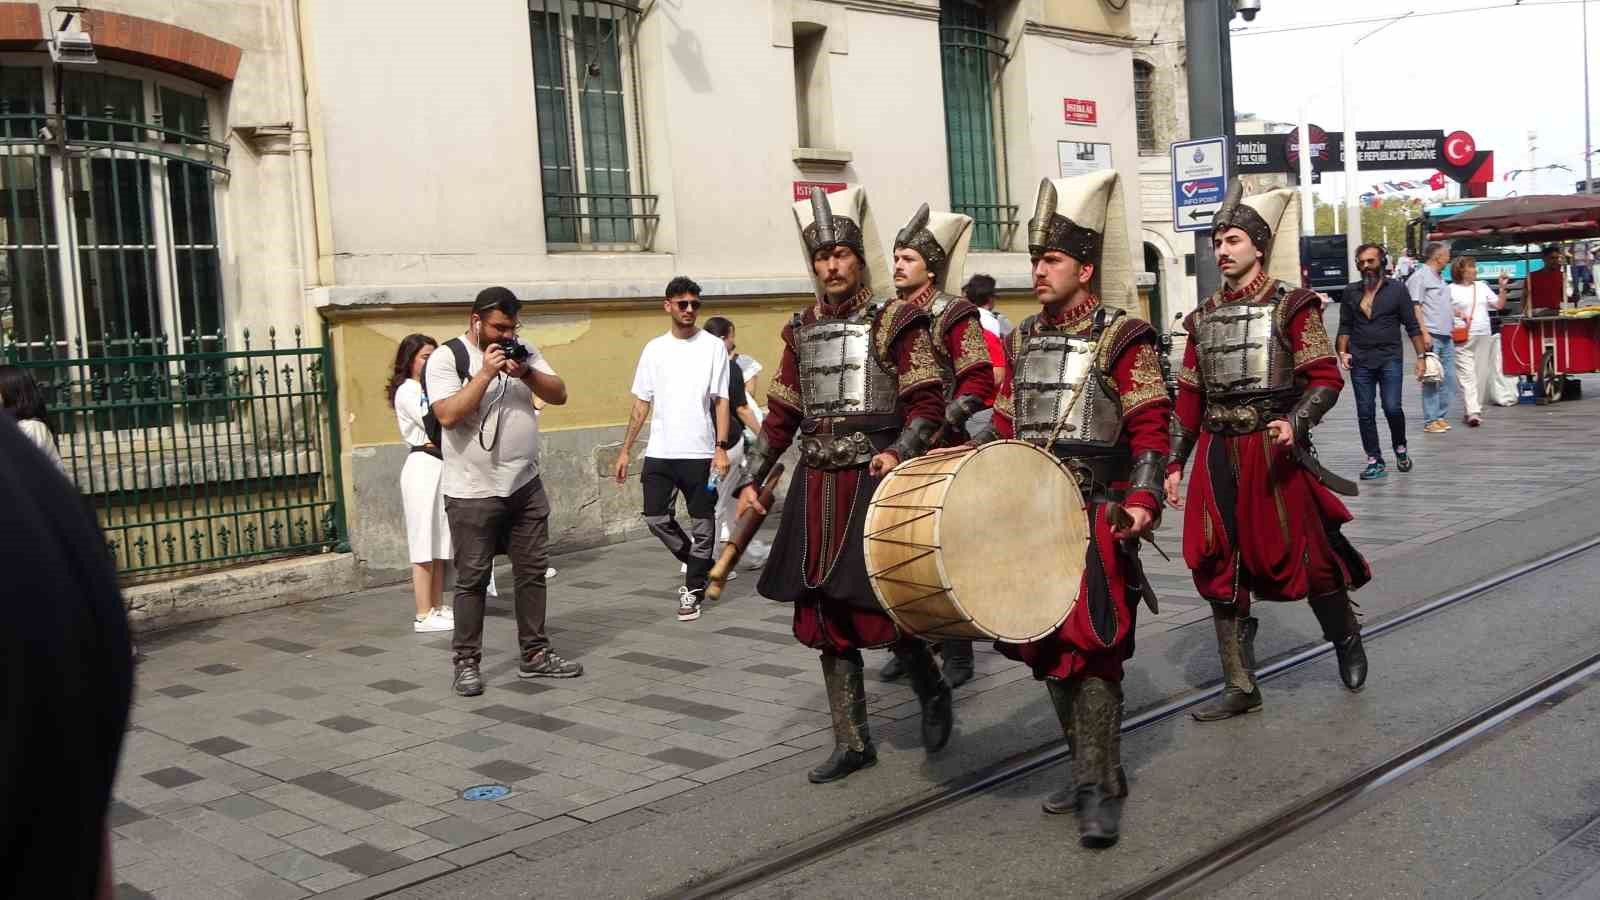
1371,315
1432,298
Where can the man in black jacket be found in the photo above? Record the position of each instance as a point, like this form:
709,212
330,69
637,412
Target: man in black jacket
1371,314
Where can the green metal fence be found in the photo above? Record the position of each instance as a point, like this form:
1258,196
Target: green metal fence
199,460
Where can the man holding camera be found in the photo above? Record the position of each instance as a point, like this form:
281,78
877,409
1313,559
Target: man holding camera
482,387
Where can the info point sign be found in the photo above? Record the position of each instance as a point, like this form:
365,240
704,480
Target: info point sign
1199,182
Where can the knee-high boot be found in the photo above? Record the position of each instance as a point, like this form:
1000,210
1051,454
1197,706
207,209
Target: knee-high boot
847,702
1337,615
1062,694
1236,646
938,718
1096,763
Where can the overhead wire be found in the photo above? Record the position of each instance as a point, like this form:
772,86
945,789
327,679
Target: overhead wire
1337,23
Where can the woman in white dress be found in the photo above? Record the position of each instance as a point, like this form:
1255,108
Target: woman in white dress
1475,360
20,396
743,409
427,530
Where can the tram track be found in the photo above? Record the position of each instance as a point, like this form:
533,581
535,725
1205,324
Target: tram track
812,849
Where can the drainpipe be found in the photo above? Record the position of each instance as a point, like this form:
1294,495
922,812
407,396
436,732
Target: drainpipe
300,146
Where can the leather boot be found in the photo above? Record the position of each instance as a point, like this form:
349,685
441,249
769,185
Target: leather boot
1337,615
957,661
1095,767
892,670
938,718
1065,800
847,702
1236,647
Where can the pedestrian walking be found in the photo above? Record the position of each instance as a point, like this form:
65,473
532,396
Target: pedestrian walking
1434,311
1372,314
481,387
979,291
681,386
1472,300
744,414
66,683
22,399
427,528
1582,270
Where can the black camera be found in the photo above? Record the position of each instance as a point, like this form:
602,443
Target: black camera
515,350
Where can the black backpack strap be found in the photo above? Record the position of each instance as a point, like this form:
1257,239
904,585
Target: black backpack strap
458,348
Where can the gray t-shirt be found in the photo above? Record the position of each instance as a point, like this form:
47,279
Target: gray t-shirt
508,423
1430,292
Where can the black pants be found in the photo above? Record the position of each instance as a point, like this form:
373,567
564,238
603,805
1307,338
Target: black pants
519,526
661,479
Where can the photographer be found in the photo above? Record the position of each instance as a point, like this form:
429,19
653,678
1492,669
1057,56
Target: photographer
482,387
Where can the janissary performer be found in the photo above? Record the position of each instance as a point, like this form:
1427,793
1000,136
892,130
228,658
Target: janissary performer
1084,382
1262,520
929,254
859,388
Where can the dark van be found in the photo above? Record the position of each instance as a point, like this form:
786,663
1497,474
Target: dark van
1323,265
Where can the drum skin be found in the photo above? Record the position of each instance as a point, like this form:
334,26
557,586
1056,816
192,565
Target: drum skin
983,543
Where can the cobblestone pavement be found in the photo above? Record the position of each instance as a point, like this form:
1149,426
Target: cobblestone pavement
319,748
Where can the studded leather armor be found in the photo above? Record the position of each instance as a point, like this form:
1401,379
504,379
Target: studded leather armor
1058,376
1244,352
840,374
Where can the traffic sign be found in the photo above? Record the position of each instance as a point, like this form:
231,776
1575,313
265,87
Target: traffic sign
1199,182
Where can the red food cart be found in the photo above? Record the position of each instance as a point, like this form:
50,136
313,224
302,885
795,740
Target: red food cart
1546,349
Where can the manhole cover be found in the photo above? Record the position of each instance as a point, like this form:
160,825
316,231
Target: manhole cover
485,792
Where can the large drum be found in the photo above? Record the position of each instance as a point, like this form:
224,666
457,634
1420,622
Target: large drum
986,543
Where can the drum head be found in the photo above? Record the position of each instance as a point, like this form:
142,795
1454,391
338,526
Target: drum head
1013,535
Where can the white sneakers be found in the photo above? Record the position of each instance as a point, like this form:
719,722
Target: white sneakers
688,605
441,619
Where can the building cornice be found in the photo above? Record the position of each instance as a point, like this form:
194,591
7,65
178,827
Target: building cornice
906,8
1074,34
359,296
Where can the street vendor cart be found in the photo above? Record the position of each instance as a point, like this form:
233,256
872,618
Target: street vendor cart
1546,348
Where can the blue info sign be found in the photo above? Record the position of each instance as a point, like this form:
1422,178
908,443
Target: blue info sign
1199,182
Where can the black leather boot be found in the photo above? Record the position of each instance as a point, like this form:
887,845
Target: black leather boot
892,670
938,717
1337,615
957,661
1096,706
1236,647
1065,800
847,702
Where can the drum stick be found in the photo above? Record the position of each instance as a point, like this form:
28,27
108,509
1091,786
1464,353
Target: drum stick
739,538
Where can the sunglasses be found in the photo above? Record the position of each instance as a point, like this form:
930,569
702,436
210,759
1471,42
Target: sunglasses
686,305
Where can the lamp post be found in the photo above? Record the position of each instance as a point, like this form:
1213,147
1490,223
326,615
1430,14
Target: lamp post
1352,151
1588,141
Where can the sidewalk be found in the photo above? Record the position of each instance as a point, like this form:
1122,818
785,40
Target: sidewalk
319,747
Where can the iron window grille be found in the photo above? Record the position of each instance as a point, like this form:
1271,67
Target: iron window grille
972,57
586,105
1143,98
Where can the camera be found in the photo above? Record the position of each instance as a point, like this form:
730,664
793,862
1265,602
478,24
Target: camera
1247,8
514,350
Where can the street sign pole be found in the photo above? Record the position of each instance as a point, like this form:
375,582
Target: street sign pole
1209,61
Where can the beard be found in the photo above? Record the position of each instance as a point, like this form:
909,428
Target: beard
1370,277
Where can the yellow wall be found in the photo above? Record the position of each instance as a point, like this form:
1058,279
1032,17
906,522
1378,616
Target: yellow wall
593,346
1088,15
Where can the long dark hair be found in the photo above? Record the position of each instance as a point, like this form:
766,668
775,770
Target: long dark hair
410,346
21,395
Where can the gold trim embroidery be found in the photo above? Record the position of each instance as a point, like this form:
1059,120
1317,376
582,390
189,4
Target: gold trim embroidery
779,392
1148,385
1188,377
1004,406
924,368
974,352
1314,343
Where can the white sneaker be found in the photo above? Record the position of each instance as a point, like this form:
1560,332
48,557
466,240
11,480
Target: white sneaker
549,573
688,605
432,622
446,613
683,568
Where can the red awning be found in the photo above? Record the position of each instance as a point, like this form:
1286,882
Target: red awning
1542,217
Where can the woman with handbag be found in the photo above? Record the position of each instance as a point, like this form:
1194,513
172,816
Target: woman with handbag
427,529
1471,301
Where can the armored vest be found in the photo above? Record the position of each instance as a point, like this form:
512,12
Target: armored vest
840,373
1244,352
941,352
1058,376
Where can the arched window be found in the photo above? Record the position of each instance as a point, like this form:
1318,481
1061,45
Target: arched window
1144,76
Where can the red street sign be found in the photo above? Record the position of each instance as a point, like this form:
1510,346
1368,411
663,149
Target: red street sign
1081,112
802,189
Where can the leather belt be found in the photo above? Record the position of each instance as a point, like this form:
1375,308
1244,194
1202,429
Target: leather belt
1246,417
832,452
1096,474
429,449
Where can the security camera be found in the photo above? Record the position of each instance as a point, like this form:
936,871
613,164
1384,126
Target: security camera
1247,8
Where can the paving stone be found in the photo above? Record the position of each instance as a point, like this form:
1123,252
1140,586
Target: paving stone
267,887
474,741
171,777
120,813
330,880
242,806
394,686
774,671
687,707
632,800
280,822
345,724
425,849
362,650
411,707
691,759
297,865
299,692
263,717
505,771
126,891
179,691
389,836
455,830
281,645
219,746
217,669
321,840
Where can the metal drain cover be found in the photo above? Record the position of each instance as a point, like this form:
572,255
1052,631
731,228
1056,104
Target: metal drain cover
485,792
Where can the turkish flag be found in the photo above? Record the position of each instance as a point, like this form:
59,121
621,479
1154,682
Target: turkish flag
1437,182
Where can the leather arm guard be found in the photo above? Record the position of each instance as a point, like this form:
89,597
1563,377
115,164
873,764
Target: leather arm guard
915,438
1149,474
1313,405
987,436
1183,441
759,460
959,410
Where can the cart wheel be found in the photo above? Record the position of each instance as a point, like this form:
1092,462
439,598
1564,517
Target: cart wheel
1549,381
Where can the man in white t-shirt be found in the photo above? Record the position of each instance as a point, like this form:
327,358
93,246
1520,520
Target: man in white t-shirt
483,397
681,385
